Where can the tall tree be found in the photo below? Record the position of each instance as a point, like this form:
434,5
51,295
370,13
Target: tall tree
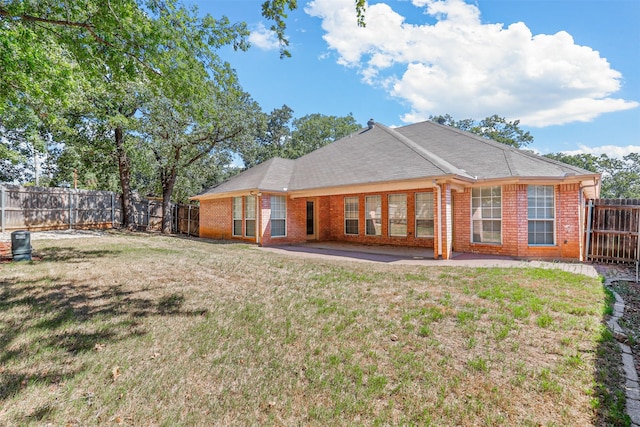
179,135
115,43
272,134
493,127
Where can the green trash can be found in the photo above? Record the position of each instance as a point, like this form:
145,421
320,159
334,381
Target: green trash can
21,245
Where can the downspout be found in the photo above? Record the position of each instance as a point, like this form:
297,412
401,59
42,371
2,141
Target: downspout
439,190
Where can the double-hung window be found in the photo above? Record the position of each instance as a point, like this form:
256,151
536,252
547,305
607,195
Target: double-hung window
541,215
237,216
373,208
278,216
424,215
398,215
486,214
250,216
351,215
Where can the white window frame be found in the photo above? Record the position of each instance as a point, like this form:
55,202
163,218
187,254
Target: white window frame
279,214
425,212
249,215
373,205
486,209
351,216
236,223
397,213
538,195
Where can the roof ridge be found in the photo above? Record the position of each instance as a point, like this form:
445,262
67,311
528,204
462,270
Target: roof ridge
437,161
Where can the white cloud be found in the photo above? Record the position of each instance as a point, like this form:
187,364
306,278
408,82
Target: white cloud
263,38
460,66
609,150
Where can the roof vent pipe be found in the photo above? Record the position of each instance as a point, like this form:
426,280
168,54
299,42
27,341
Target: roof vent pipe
370,123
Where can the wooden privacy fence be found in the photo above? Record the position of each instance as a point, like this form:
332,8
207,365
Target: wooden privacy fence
612,231
36,208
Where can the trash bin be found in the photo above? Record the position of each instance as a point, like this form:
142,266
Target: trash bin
21,245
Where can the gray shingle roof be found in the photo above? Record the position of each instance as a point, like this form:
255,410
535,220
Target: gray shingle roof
272,175
381,154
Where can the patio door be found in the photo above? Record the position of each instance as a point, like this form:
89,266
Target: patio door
311,220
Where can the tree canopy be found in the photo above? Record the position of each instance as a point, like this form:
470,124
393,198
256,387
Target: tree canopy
493,127
280,135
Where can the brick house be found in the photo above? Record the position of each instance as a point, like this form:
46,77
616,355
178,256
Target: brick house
422,185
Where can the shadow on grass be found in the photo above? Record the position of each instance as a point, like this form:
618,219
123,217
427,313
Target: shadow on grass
52,322
70,254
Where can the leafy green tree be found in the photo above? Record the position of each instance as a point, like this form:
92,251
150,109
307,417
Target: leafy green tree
111,44
180,135
272,135
493,127
317,130
280,135
620,177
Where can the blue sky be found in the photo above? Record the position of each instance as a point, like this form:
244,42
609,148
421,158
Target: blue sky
568,69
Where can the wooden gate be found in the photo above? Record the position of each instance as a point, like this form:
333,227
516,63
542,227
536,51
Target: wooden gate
187,219
612,230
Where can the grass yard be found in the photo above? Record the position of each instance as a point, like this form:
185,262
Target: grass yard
149,330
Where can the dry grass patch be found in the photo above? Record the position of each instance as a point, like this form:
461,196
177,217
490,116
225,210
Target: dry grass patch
148,330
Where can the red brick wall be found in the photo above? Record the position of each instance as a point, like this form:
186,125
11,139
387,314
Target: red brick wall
336,221
296,222
216,222
514,224
216,218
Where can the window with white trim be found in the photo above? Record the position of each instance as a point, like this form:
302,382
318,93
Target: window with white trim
398,215
424,214
351,215
237,216
278,216
486,214
250,216
373,207
541,214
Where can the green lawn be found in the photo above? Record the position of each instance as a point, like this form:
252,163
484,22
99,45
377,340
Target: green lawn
149,330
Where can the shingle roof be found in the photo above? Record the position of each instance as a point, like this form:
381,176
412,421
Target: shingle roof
484,158
272,175
381,154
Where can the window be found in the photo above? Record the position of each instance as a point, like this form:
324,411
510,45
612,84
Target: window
540,211
351,215
424,214
397,215
237,216
250,216
278,216
486,214
373,207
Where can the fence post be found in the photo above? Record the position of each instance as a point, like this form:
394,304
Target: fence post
189,222
70,210
588,249
113,211
2,203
